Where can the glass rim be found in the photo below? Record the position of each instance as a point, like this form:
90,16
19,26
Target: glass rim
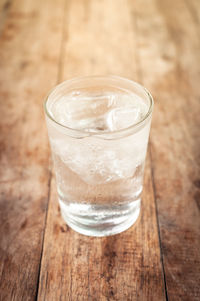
100,77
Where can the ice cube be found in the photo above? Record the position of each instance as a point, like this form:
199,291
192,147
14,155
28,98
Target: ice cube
96,160
129,113
94,113
95,163
83,112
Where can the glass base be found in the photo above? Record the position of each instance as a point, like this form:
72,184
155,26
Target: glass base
100,220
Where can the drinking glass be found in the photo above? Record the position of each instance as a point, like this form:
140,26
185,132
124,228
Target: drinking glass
98,128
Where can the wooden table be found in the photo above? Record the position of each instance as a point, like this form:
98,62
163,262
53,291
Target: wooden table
156,43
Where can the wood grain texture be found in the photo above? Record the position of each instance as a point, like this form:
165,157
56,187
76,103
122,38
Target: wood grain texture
27,55
123,267
4,9
154,42
168,46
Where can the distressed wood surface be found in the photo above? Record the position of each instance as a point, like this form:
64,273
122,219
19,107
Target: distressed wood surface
4,8
126,266
153,42
26,56
169,63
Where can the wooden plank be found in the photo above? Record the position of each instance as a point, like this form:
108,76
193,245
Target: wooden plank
29,56
4,5
126,266
169,52
194,10
4,8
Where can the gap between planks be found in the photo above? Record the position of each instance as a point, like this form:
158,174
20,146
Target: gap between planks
140,79
59,76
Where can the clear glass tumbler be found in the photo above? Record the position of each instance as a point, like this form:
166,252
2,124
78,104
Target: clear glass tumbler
98,129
